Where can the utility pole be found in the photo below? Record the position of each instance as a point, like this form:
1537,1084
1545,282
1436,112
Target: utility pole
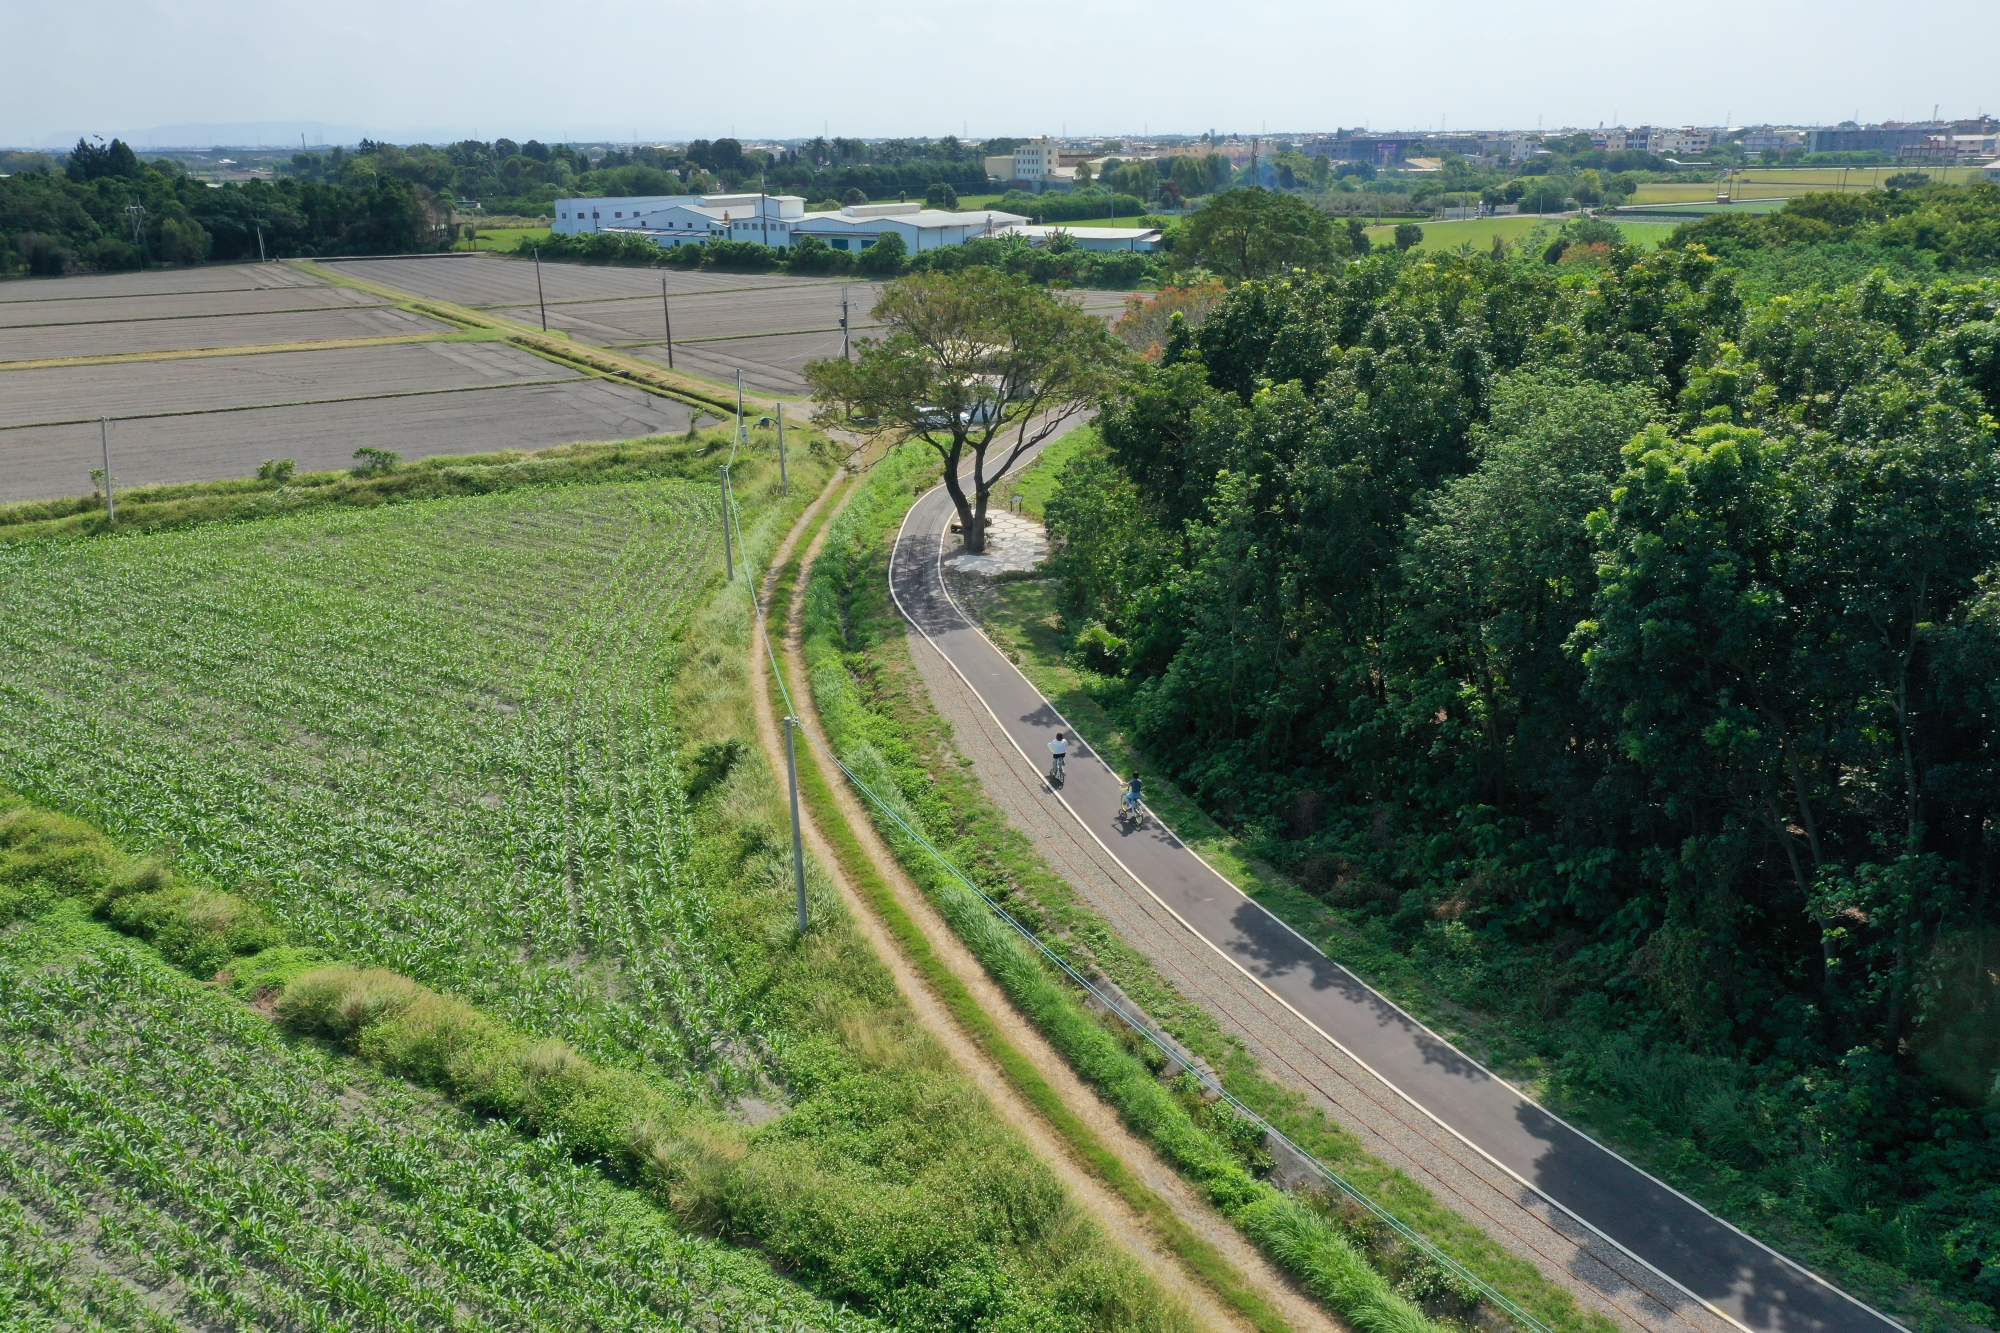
784,481
137,212
798,842
110,505
537,250
668,314
728,556
844,356
742,426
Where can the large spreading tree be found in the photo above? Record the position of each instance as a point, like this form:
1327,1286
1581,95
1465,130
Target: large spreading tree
981,365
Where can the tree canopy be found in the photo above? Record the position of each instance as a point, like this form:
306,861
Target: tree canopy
1628,651
1254,233
978,364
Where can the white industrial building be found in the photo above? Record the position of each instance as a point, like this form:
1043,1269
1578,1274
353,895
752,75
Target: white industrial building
775,220
1140,240
858,226
680,219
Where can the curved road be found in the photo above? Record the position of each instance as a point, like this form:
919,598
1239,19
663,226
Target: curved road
1736,1277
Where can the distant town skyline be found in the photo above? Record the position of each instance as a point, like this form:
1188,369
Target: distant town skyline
441,69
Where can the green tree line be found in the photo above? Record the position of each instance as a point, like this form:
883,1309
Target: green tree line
107,210
1626,657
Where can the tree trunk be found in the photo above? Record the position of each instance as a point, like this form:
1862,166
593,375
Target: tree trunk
975,532
971,525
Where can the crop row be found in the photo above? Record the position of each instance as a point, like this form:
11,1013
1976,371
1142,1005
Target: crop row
166,1159
435,738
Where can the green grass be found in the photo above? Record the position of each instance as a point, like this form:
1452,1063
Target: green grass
242,499
1198,1255
168,1159
877,714
491,755
505,240
1789,182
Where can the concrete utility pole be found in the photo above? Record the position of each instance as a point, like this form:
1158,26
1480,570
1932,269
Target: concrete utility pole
537,250
110,505
260,244
843,318
742,426
728,556
668,314
798,842
784,481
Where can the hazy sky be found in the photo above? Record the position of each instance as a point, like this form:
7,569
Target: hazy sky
788,68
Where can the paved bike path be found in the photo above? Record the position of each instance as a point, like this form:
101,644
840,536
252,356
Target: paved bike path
1735,1276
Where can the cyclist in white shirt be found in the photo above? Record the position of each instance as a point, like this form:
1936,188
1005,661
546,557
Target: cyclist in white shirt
1059,747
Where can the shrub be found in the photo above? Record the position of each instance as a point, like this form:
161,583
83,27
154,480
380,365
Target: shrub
941,195
1103,651
853,196
1408,235
376,460
113,255
45,256
276,469
886,258
183,242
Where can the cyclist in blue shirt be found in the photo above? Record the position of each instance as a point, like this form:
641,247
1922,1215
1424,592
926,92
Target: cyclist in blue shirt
1135,792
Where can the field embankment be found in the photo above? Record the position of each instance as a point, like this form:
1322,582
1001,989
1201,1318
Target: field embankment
876,718
473,754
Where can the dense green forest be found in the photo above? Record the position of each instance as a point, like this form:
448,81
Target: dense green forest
108,210
1622,654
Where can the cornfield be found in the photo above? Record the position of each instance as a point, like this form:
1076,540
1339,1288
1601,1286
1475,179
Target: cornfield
433,737
168,1161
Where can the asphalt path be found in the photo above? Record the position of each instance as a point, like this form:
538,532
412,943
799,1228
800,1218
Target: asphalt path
1737,1277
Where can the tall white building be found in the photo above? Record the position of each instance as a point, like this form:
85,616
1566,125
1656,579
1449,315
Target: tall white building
1037,160
1685,142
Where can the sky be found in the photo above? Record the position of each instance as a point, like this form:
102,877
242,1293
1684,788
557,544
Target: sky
407,70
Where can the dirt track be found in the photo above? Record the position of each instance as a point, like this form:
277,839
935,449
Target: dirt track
1124,1225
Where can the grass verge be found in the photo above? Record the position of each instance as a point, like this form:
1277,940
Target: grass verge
1200,1258
875,714
144,508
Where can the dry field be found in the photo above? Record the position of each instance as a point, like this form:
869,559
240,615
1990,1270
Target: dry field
206,372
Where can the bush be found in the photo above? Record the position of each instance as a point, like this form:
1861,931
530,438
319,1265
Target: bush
1408,235
376,460
741,256
940,195
853,196
886,258
183,242
1103,651
276,469
810,254
45,256
113,255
